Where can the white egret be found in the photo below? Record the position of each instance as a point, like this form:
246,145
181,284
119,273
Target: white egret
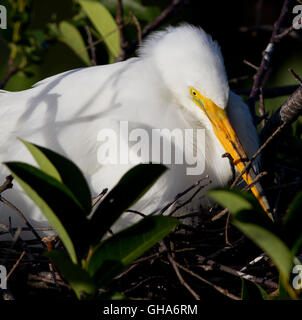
178,81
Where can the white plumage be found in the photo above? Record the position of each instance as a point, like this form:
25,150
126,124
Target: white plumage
66,112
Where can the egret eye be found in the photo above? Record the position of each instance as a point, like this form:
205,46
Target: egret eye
193,92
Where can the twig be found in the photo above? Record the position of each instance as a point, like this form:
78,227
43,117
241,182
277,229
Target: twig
136,212
178,274
99,197
231,160
10,72
256,180
285,115
217,266
180,195
295,75
265,63
251,65
291,31
138,28
249,163
7,184
120,24
190,199
254,261
15,265
220,214
164,16
226,236
219,289
10,205
271,92
262,107
91,46
287,31
141,283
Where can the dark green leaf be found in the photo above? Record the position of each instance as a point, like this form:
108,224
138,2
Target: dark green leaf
104,24
252,291
130,188
141,11
58,204
72,37
243,206
77,277
112,255
63,170
269,243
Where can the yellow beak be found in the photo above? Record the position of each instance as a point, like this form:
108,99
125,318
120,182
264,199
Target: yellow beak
232,145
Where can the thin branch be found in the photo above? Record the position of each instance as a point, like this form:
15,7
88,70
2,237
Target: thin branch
20,214
7,184
180,195
197,276
15,265
291,31
285,115
267,53
251,65
190,199
12,69
99,197
120,24
178,274
271,92
287,31
138,28
163,17
91,46
295,75
242,275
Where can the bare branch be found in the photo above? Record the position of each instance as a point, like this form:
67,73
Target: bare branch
285,115
91,46
164,16
265,63
7,184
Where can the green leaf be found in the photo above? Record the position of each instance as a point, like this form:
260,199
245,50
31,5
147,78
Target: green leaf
248,217
111,256
77,277
104,24
141,11
72,37
130,188
271,244
252,291
58,204
243,206
63,170
231,199
292,222
41,159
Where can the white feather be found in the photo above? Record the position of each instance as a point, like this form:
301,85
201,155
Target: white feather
65,113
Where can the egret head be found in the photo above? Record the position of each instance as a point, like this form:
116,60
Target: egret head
190,66
186,57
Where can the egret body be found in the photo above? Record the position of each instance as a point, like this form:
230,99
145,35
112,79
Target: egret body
178,81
